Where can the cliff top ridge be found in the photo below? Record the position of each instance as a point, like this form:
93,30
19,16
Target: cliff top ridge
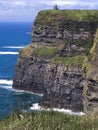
75,15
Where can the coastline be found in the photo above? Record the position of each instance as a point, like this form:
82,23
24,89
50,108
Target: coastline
36,107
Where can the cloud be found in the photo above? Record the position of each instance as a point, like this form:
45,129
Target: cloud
88,4
23,9
60,2
13,4
32,4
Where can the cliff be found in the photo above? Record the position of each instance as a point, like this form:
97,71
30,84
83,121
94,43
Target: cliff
91,86
59,61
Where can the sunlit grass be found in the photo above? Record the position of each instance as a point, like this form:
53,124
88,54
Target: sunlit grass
75,60
49,121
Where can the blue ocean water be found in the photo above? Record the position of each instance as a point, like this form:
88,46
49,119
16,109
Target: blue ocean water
13,36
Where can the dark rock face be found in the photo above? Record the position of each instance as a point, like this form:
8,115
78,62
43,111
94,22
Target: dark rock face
79,34
29,75
91,97
69,86
70,31
63,87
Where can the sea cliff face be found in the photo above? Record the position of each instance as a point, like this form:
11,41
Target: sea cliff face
61,61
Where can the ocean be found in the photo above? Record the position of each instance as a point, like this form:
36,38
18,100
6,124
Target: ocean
13,37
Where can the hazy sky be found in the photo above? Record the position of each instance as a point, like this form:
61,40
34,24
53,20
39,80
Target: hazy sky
26,10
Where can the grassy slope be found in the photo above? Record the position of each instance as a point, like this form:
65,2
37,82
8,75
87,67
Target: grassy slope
49,121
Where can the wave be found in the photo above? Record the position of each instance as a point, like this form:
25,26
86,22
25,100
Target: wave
36,107
18,91
23,91
6,82
28,32
8,53
66,111
12,47
6,87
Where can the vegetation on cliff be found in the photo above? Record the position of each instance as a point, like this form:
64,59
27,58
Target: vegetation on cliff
46,51
49,121
90,63
53,51
27,51
67,61
64,15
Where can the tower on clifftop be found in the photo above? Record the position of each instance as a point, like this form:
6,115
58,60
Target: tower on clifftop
55,7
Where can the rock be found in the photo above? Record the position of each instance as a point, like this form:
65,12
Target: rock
63,88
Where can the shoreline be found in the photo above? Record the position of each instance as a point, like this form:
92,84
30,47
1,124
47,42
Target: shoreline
37,107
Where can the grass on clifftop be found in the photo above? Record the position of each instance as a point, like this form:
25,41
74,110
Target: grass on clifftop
49,121
75,60
76,15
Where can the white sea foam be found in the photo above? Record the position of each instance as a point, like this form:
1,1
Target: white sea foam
28,33
8,53
23,91
16,47
18,92
36,107
8,87
66,111
6,82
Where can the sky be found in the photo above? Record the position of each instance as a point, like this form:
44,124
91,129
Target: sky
26,10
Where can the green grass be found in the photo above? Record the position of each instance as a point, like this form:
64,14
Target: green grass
75,60
46,51
27,51
49,121
93,49
62,15
92,53
90,63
